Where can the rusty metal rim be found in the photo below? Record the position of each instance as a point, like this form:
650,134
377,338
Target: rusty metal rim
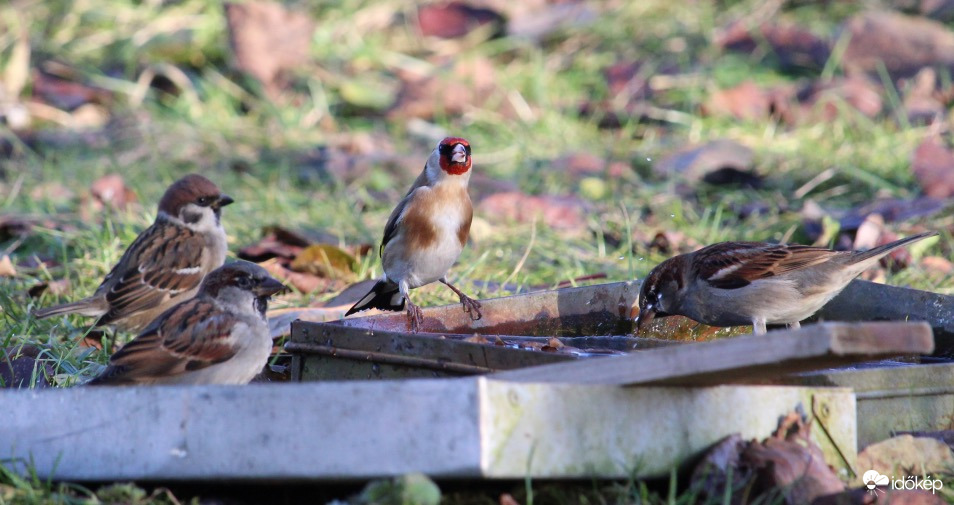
391,359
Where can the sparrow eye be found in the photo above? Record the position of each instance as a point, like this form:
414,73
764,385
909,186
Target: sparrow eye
204,201
245,282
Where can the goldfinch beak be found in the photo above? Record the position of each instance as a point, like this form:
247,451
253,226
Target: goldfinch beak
459,155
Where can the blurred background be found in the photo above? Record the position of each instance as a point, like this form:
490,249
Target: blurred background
607,135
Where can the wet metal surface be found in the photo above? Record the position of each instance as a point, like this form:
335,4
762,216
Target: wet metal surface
515,332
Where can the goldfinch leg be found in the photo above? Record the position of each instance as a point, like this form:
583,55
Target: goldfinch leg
758,327
415,318
470,305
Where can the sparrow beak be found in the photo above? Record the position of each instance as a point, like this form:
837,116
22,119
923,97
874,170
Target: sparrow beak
269,287
646,315
459,155
222,201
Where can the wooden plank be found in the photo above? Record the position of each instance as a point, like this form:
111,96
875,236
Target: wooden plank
750,357
893,398
357,430
870,301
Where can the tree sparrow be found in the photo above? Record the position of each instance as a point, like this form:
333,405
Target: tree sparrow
219,337
166,262
426,233
740,283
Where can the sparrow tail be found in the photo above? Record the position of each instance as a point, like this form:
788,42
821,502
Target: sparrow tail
82,307
384,295
879,251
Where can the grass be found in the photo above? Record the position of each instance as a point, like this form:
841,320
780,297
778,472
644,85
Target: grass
221,126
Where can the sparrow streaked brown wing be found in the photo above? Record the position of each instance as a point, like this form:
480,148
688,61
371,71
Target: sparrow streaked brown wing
425,234
741,283
166,262
219,337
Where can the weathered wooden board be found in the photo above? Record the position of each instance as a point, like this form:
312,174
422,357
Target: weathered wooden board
894,398
743,358
869,301
319,431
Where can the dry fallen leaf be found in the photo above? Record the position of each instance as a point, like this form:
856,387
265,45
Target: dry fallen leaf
933,166
907,455
566,213
268,40
793,45
324,260
303,282
452,20
903,44
790,460
56,288
110,190
6,267
477,339
507,499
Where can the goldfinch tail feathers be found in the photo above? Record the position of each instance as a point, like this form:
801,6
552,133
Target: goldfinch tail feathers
384,295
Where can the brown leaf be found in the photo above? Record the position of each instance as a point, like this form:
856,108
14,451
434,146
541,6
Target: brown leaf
275,244
907,455
747,101
303,282
933,166
56,192
627,78
58,287
452,90
19,364
791,461
904,44
324,260
268,40
567,213
451,20
6,267
477,339
921,103
937,264
553,344
717,162
507,499
93,339
712,473
110,191
822,101
538,23
793,45
941,10
65,94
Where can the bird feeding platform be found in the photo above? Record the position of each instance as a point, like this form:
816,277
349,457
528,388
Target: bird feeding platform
547,385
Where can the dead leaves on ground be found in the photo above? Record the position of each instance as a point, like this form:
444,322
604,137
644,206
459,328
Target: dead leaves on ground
308,265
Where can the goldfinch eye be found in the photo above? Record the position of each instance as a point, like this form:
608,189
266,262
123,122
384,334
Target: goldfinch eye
444,149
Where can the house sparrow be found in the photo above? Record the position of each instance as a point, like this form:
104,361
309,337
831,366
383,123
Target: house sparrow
740,283
425,234
166,262
219,337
